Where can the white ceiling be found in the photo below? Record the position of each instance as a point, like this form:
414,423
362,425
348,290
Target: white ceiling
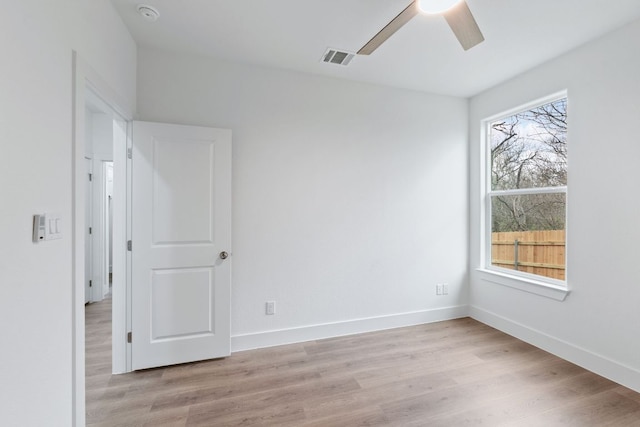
423,55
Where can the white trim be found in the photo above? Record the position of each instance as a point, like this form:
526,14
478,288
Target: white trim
121,283
77,244
104,92
524,191
527,106
547,289
348,327
601,365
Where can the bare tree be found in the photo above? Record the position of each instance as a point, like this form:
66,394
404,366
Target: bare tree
529,150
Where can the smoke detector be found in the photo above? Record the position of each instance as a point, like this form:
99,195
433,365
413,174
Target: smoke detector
149,13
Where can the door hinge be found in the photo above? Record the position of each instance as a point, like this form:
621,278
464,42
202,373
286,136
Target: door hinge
90,177
90,230
129,245
128,153
129,337
90,283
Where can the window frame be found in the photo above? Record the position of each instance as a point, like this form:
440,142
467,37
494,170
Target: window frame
528,282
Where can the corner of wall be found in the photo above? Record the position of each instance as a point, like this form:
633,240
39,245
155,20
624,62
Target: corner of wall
601,365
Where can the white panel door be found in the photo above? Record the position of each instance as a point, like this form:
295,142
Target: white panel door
181,234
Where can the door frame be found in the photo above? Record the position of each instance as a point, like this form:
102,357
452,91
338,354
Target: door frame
107,226
98,115
85,79
96,207
88,243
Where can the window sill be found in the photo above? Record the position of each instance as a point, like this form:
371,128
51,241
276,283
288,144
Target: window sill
548,290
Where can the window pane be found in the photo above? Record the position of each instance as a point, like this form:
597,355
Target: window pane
528,212
529,149
528,233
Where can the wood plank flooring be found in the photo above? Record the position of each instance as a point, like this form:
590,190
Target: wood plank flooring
453,373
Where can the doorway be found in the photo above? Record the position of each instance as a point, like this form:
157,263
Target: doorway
105,150
207,225
91,97
105,136
98,152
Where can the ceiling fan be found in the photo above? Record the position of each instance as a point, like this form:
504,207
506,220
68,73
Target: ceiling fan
456,12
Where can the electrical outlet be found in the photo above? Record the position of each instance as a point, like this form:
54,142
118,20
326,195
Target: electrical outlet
439,289
270,308
445,289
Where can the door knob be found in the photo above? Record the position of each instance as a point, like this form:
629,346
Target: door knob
223,255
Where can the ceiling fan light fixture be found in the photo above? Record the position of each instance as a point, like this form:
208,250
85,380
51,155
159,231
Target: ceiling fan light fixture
455,12
436,7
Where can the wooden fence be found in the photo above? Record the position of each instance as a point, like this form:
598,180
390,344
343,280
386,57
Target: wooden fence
537,252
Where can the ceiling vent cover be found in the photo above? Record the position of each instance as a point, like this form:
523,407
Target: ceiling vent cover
338,57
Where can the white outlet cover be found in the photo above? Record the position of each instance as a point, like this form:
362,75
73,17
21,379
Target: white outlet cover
270,308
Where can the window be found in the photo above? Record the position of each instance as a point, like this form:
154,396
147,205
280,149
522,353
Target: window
526,191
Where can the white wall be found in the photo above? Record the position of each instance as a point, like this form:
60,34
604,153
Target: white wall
597,325
349,200
35,142
101,144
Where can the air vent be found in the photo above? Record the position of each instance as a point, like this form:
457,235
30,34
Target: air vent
338,57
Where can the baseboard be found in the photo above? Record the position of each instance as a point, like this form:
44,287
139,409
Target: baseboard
349,327
601,365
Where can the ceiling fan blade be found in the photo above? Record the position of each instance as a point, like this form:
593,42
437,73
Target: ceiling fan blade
464,25
393,26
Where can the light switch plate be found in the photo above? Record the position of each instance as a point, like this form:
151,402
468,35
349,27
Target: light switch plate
47,226
53,226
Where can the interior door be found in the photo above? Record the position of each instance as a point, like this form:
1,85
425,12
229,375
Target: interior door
181,237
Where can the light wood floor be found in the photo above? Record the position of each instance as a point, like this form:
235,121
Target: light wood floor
453,373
